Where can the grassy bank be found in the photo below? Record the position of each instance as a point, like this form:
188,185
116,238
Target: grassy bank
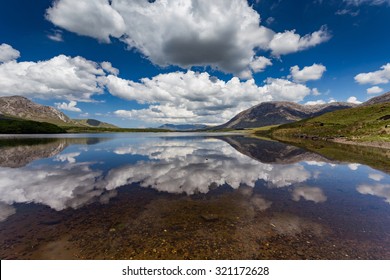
360,124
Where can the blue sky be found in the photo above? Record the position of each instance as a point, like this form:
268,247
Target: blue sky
144,63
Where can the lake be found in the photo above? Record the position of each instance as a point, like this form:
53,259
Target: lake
189,196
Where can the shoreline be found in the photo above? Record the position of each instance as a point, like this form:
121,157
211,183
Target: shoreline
375,144
339,140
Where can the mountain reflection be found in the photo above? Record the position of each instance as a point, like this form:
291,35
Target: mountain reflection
73,176
269,151
20,152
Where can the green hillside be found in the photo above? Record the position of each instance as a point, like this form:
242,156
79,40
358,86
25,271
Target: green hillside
13,126
93,123
363,123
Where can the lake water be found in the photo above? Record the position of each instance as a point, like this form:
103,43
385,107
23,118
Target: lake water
187,196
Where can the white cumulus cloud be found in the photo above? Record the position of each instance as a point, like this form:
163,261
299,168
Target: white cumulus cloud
377,77
374,90
8,53
223,34
71,106
61,77
107,66
290,42
90,18
308,73
353,99
260,63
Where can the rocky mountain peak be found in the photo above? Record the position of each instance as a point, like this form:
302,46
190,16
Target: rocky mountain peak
22,107
280,112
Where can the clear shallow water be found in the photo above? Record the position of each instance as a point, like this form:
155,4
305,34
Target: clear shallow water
186,196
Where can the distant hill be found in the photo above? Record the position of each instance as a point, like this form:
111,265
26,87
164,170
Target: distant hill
183,127
379,99
21,108
93,123
274,113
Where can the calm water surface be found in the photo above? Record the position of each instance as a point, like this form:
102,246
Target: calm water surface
186,196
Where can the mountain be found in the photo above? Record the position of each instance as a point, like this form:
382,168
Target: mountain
273,113
93,123
23,108
379,99
183,127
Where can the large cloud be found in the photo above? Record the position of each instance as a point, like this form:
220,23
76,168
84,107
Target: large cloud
374,78
223,34
61,77
197,97
308,73
8,53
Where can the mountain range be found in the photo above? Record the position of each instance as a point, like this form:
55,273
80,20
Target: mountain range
19,108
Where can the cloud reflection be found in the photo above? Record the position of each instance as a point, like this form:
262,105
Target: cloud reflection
376,176
6,211
70,157
380,190
314,194
58,186
174,166
191,167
